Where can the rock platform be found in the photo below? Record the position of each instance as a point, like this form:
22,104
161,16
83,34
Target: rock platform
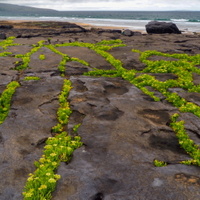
122,129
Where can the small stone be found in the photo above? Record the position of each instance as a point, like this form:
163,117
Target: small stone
127,32
157,182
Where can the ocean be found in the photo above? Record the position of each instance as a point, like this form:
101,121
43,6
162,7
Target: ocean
187,21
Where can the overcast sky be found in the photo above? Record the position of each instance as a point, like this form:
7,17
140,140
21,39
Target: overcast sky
154,5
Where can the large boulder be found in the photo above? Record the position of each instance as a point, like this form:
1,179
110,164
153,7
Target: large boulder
162,27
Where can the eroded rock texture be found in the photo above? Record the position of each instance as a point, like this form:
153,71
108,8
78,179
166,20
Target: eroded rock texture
125,133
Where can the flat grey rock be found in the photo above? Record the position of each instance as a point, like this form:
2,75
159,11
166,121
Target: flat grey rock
123,130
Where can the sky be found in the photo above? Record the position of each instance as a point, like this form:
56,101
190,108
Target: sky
149,5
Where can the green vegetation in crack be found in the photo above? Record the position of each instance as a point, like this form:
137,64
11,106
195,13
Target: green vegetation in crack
26,58
60,148
100,48
4,44
183,68
4,54
185,142
5,99
42,57
31,78
159,163
65,58
64,110
42,182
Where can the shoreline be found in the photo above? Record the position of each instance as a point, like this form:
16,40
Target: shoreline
138,26
20,23
90,26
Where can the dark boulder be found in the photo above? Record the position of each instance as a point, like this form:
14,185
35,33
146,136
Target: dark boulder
162,27
2,36
6,26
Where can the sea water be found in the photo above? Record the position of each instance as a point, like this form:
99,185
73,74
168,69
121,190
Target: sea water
188,21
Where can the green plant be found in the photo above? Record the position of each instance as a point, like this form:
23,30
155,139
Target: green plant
8,42
24,64
64,110
58,149
158,163
42,57
182,68
5,99
65,59
185,142
75,128
43,181
30,78
4,54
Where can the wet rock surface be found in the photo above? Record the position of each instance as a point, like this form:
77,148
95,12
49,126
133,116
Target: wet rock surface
36,29
123,130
